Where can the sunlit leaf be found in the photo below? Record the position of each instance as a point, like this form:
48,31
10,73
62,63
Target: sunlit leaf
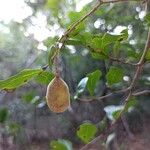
108,39
61,144
93,78
114,75
73,17
54,6
44,77
87,132
19,79
97,44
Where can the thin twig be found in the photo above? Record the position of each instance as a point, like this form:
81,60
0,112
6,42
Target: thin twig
144,92
122,61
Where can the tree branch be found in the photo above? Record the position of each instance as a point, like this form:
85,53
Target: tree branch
144,92
122,61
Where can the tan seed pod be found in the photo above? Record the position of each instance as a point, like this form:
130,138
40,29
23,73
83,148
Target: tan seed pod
57,95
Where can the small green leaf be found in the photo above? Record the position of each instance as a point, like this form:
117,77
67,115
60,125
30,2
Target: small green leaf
92,80
147,57
61,145
124,35
132,102
114,75
50,41
87,132
73,17
3,114
147,19
19,79
113,111
54,6
52,53
108,39
28,96
96,44
44,77
117,114
98,55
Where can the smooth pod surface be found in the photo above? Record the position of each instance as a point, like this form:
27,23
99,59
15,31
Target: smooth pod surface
57,95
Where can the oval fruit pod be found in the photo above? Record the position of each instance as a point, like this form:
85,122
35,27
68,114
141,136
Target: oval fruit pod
57,95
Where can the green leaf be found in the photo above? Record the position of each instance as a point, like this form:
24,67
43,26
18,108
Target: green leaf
73,17
55,6
50,41
73,42
131,103
113,111
61,145
96,44
82,38
28,96
114,75
108,39
147,19
19,79
78,29
117,114
147,57
99,55
51,54
44,77
124,35
92,80
87,132
3,114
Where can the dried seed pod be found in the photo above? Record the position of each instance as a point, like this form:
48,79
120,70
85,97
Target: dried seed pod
58,96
